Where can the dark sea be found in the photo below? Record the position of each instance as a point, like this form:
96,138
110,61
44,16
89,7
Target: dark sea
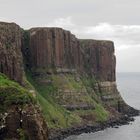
129,87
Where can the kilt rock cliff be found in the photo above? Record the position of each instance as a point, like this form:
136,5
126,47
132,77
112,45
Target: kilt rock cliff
53,85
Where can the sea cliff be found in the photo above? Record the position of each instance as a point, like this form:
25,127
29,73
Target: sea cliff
69,83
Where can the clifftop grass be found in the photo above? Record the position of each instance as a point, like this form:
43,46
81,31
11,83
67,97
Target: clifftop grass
11,93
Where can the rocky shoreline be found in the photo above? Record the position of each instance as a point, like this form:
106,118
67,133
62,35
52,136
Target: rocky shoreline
113,123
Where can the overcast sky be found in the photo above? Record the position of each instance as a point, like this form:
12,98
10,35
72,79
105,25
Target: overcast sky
117,20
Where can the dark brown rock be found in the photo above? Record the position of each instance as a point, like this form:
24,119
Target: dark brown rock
11,62
56,48
16,121
33,123
98,59
27,122
52,47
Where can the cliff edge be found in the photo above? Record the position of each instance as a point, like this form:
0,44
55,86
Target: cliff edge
63,83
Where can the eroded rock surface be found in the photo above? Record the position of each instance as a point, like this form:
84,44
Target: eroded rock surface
14,123
98,59
53,47
24,123
11,62
56,48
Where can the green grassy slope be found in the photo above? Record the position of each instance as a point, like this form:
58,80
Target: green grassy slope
11,93
56,116
50,98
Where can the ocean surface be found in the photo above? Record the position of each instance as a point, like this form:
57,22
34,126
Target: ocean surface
129,87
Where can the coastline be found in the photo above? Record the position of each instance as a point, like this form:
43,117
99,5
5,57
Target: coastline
114,123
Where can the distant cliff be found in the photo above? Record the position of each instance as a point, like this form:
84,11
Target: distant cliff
73,81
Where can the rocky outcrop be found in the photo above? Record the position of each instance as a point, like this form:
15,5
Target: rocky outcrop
98,59
11,62
20,116
57,48
25,123
52,47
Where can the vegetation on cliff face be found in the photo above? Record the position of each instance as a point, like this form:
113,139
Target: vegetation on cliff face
56,116
20,116
52,96
11,93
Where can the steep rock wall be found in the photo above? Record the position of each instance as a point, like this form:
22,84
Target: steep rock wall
53,47
11,62
32,127
98,59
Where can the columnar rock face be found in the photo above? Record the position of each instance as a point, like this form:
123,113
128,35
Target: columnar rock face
32,126
10,51
99,59
53,47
